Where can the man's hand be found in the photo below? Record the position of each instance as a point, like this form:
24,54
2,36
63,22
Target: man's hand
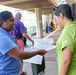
32,42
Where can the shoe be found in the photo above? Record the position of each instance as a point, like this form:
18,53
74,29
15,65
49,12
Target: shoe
23,73
26,45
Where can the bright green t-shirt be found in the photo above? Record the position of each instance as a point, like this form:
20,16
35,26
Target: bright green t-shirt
67,39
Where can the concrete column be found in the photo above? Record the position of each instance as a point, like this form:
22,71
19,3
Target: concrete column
39,29
50,17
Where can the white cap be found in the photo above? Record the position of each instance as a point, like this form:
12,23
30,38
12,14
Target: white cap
18,14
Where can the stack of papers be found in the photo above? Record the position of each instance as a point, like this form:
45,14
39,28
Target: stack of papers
39,44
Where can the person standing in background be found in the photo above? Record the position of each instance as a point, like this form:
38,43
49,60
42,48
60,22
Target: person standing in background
51,26
46,27
20,31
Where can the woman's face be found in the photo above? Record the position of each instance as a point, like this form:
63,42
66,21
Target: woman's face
59,21
9,24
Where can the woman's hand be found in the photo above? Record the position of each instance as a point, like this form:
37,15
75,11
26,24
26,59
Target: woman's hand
42,52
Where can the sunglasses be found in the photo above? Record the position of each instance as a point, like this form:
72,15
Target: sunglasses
56,8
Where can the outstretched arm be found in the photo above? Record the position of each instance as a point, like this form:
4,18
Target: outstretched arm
16,53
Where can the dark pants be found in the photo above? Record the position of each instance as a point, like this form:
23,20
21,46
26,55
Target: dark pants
46,29
24,40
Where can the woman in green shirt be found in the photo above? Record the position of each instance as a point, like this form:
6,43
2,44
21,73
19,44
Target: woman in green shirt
66,44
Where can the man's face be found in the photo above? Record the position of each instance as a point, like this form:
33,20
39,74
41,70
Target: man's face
20,17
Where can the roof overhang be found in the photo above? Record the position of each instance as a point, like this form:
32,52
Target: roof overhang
46,5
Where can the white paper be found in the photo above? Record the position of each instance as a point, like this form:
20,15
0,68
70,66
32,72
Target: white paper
45,44
39,44
36,59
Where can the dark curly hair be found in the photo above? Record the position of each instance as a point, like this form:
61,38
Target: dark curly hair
4,15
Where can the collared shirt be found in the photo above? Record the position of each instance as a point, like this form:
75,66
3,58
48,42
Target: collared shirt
8,64
67,39
19,29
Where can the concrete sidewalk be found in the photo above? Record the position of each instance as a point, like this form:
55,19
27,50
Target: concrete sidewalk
50,58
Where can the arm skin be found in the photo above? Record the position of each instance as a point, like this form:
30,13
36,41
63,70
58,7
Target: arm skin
66,61
16,53
27,36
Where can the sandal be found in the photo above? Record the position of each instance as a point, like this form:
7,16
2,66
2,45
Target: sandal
23,73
